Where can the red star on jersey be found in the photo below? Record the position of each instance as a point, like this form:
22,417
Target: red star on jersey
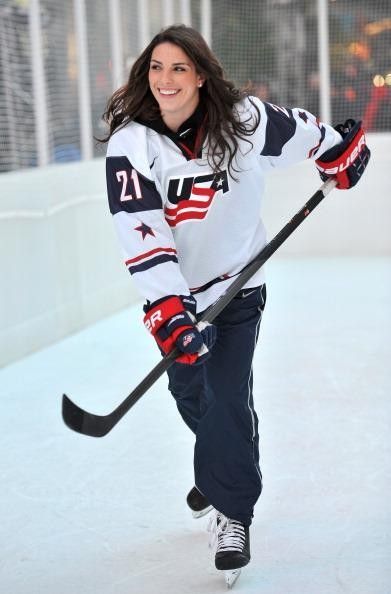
144,230
303,116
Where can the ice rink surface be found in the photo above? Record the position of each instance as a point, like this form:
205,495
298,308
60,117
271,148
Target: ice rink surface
107,516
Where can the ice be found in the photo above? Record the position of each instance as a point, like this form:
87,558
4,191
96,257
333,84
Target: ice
108,516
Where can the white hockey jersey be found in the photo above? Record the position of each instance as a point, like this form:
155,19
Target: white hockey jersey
184,229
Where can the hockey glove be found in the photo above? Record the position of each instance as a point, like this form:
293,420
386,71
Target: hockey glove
172,322
347,160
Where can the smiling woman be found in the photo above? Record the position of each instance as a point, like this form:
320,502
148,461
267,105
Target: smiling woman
187,156
174,83
181,52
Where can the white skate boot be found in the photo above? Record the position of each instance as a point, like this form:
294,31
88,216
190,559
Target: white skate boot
231,540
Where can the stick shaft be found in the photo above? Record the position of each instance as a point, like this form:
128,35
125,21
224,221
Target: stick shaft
216,308
97,426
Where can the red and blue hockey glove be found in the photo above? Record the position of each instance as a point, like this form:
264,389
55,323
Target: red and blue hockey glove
347,160
172,322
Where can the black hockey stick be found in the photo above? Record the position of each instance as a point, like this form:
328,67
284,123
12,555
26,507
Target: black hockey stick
99,425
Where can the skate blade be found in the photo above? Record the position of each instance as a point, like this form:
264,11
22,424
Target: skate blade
231,576
202,513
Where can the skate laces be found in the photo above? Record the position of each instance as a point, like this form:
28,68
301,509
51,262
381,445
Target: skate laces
225,534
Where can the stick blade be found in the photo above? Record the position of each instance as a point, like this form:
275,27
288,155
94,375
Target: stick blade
84,422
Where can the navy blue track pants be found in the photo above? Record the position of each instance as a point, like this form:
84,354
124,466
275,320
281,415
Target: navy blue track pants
215,400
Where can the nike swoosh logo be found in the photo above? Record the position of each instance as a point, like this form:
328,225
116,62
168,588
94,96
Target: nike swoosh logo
248,293
185,132
153,162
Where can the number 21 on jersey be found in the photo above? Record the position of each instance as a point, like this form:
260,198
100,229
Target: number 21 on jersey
134,183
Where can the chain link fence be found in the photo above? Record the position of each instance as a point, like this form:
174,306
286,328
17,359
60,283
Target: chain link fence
86,47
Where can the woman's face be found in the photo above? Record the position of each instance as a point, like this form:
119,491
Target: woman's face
174,83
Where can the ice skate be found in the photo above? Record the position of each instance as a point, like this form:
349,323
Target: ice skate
198,504
232,542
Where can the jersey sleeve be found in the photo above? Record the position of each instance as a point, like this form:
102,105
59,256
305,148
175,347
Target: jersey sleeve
289,136
145,237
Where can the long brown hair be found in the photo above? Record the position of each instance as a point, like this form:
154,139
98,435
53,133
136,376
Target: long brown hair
218,95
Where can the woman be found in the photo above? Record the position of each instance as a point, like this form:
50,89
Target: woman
186,160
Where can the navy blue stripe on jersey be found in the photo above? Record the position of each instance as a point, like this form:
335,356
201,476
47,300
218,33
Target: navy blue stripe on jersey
152,262
127,189
280,127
